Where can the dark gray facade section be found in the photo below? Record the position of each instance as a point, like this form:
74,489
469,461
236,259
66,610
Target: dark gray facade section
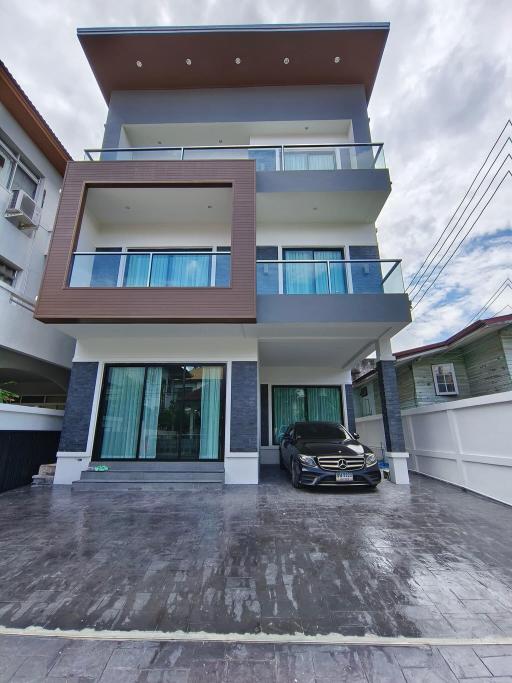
347,180
366,277
390,401
244,407
267,277
226,105
77,415
350,415
264,414
322,308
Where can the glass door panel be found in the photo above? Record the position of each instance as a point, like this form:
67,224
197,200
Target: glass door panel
170,414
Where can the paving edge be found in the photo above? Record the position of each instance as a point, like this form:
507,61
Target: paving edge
272,638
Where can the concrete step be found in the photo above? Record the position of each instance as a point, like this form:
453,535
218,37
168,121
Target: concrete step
142,486
153,475
150,466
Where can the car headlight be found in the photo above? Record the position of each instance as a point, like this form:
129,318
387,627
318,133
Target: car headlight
371,459
307,460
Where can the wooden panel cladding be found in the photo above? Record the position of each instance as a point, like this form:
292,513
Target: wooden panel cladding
59,303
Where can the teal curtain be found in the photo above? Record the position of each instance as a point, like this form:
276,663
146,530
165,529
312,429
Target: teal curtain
176,270
288,405
299,278
122,412
210,413
151,410
309,278
309,160
295,161
324,404
136,270
337,271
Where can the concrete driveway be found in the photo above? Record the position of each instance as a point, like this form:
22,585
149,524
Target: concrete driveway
425,561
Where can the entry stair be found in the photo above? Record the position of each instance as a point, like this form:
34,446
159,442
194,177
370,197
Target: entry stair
151,476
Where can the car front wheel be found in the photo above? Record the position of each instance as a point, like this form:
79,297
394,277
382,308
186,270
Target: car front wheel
281,463
296,474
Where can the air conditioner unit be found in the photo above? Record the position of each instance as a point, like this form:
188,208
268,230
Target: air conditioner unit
22,211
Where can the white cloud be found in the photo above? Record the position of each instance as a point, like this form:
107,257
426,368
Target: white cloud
442,95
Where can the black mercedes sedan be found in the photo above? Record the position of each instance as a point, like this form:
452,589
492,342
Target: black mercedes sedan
325,454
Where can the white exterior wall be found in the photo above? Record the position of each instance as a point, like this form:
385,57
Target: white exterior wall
19,331
316,235
28,419
465,442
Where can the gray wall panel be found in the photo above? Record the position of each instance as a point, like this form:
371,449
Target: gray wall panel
244,406
217,105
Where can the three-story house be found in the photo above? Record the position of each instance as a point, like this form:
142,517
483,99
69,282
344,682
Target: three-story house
217,259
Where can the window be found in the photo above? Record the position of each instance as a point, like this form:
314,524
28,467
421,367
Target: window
14,173
314,278
7,273
302,404
310,430
444,379
161,412
309,160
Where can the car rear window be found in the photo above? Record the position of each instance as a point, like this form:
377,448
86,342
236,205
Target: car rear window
315,430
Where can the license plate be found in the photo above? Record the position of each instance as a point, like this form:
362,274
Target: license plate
344,477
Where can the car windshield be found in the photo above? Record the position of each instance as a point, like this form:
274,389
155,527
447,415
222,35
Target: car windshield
320,430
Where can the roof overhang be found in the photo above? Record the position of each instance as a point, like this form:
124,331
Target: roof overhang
21,108
113,54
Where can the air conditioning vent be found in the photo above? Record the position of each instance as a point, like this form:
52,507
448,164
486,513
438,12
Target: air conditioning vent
22,211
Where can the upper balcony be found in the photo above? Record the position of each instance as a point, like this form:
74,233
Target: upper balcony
341,182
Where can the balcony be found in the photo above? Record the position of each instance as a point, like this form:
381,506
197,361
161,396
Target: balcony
185,269
332,183
301,157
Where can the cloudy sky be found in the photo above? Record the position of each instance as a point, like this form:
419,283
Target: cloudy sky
442,96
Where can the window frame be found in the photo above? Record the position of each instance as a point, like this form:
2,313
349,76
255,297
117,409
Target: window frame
438,391
96,452
16,159
305,387
15,270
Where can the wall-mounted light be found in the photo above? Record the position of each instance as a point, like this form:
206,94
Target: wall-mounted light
139,63
188,61
337,60
286,60
238,60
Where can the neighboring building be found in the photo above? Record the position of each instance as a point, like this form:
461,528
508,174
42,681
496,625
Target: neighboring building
456,404
35,359
217,259
477,361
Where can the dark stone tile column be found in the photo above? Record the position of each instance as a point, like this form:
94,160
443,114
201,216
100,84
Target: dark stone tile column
244,406
390,400
77,415
350,418
264,414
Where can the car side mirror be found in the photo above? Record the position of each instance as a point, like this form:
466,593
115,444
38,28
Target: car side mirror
355,435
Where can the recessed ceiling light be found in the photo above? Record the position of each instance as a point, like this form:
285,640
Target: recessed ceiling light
127,208
159,142
286,60
188,61
315,208
139,63
306,127
337,60
238,60
220,142
209,206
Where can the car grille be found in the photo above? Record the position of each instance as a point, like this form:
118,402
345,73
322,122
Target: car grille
331,462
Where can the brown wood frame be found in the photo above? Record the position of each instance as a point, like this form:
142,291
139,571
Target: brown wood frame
59,303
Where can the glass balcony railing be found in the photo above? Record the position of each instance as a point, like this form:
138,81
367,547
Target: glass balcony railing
213,269
267,158
150,269
331,276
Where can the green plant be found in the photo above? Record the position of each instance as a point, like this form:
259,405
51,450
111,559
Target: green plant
7,396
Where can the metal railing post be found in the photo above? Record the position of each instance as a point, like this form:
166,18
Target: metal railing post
328,276
150,266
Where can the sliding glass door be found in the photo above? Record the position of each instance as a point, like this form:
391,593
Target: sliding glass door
314,278
161,412
303,404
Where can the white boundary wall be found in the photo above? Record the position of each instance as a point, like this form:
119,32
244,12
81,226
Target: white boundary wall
466,442
28,419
